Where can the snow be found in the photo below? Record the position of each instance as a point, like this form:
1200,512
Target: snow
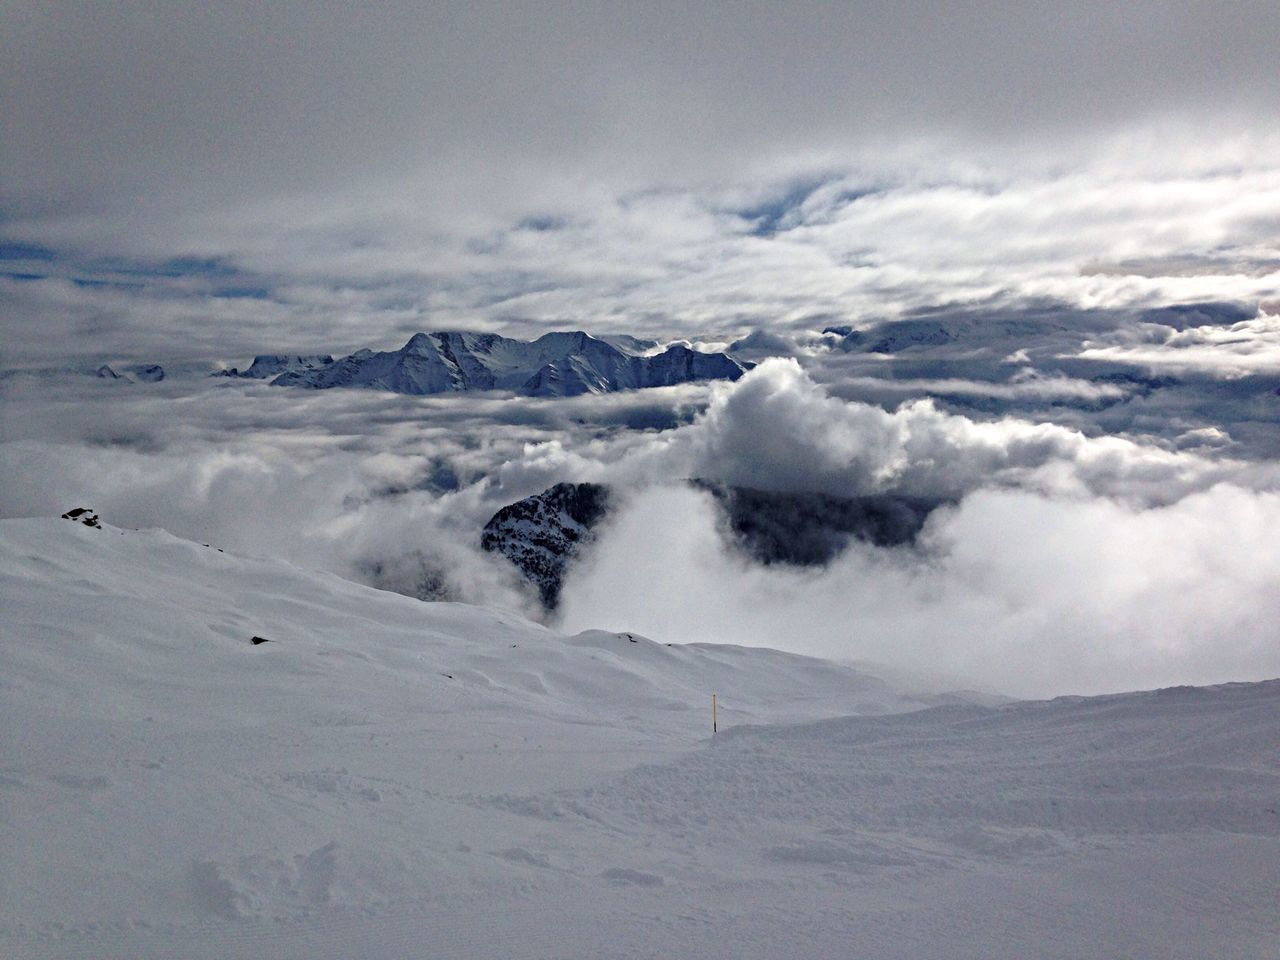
556,364
387,778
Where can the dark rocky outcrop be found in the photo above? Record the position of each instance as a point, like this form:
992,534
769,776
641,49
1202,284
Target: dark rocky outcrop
83,515
543,533
809,529
149,373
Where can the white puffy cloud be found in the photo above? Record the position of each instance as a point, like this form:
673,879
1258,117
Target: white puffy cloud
1013,591
778,429
1052,527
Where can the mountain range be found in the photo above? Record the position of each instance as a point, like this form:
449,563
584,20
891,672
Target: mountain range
554,365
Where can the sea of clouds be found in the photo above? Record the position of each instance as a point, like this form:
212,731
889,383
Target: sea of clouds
1068,559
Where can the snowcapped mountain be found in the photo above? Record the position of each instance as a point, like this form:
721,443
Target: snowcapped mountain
138,373
554,365
267,365
131,373
543,533
214,756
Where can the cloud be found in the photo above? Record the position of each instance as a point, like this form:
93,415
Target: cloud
238,100
670,262
1183,266
394,490
664,172
1026,384
373,486
777,429
197,183
1228,352
1014,591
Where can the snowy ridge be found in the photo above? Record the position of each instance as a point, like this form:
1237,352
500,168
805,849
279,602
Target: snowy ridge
387,778
554,365
267,366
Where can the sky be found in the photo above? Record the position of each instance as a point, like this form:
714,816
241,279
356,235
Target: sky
200,180
1083,198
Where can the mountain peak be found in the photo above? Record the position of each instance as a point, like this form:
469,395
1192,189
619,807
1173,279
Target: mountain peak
557,364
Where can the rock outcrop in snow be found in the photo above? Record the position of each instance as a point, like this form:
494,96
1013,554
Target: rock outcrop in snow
149,373
83,515
554,365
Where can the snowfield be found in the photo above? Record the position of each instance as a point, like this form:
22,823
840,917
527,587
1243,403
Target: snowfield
386,778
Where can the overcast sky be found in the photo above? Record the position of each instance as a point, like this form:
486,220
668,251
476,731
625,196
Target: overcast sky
229,177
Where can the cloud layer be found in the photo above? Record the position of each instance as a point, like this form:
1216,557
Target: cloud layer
183,181
851,247
1067,562
1015,591
239,100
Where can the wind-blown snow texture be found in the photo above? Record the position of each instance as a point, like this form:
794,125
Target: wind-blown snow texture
387,778
554,365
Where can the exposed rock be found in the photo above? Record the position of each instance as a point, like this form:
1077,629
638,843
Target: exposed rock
543,533
83,515
150,373
809,529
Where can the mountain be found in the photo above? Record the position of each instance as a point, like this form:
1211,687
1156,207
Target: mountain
149,373
268,365
543,533
554,365
137,373
384,778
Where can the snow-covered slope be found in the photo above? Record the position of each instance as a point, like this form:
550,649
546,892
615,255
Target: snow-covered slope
554,365
387,778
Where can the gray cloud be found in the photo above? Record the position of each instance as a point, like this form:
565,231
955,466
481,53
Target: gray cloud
678,171
778,429
237,99
664,264
347,481
192,184
1226,352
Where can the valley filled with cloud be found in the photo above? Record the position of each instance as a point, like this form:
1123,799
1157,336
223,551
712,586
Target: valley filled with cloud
1041,572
